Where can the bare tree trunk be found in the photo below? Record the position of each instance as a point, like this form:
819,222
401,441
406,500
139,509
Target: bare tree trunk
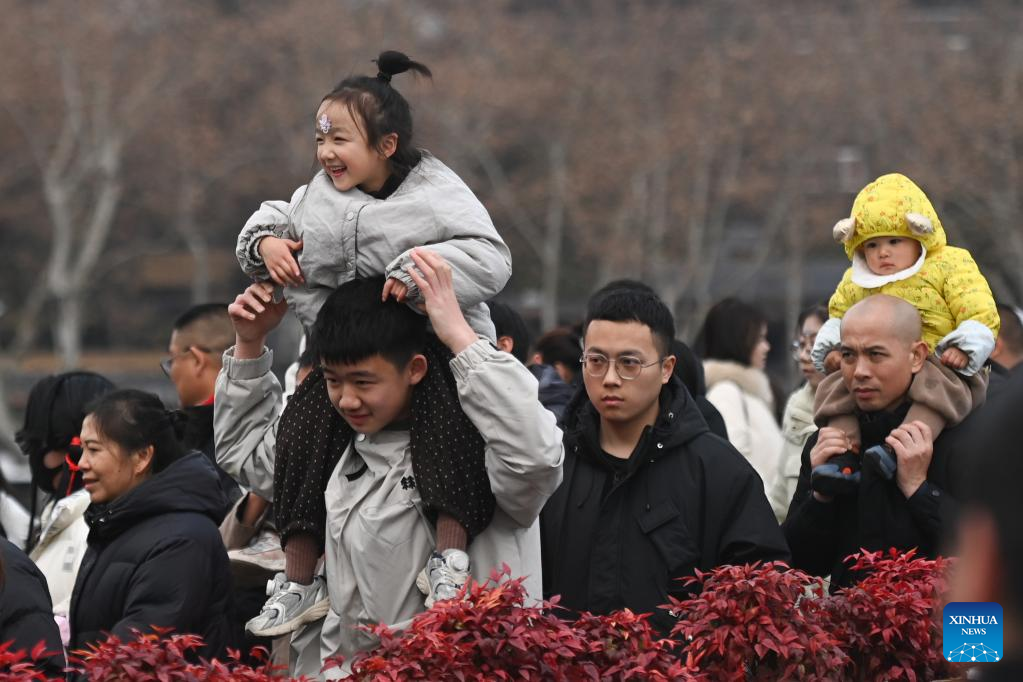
68,329
553,234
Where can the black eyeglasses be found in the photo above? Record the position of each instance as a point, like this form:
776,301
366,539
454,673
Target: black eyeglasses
168,362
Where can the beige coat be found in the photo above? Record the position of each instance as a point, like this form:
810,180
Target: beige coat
742,395
377,536
796,427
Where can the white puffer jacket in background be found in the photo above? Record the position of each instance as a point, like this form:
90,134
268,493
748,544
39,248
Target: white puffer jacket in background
742,395
61,546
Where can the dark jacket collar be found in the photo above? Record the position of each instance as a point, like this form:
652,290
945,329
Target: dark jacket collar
678,422
190,484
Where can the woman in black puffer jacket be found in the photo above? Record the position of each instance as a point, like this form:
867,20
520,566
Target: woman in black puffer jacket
155,556
26,613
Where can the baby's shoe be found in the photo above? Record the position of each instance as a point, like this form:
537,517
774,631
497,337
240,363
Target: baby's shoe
882,458
444,576
840,475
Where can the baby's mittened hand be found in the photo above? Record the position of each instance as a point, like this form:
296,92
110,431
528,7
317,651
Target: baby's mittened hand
396,288
280,261
832,361
955,358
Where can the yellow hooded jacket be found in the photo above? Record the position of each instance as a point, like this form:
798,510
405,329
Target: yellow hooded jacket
945,285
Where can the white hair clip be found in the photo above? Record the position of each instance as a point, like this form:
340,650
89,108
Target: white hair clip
323,123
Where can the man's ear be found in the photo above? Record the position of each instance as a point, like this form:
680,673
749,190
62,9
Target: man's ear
388,145
668,368
997,350
417,368
202,359
505,343
918,355
143,460
537,359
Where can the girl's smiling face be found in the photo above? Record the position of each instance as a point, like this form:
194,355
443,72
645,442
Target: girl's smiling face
345,155
888,255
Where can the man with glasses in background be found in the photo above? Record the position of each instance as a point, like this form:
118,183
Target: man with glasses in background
649,494
197,343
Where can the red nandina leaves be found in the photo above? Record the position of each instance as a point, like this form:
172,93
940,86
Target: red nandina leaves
755,622
492,635
746,623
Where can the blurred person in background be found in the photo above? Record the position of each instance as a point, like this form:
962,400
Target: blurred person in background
559,348
989,567
26,612
513,337
1008,352
512,334
734,345
197,343
51,439
14,518
554,362
797,422
155,557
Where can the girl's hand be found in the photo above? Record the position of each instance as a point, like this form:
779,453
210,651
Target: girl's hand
396,288
955,358
439,300
832,361
280,262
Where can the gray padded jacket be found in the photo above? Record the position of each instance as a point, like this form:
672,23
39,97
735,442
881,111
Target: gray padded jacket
351,234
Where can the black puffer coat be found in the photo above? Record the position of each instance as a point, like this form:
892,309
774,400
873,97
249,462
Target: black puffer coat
155,557
686,500
26,614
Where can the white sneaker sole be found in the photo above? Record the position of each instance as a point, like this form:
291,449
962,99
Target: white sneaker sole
314,612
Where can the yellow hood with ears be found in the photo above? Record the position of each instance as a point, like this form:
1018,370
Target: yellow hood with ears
891,206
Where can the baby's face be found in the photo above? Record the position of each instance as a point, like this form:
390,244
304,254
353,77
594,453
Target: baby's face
888,255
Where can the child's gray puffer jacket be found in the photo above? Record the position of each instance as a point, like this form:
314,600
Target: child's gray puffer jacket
351,234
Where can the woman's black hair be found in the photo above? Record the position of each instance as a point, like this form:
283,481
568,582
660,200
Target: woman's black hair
380,110
135,419
818,310
730,331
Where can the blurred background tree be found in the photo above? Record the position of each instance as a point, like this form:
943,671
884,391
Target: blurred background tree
704,147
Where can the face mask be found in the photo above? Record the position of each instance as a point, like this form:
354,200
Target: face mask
42,476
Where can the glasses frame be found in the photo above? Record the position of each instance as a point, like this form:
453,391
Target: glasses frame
618,369
167,363
798,344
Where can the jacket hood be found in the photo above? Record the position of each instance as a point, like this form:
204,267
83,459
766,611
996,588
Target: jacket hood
881,209
750,379
190,484
678,423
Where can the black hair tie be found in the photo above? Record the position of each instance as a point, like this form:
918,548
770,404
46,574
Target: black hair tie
385,77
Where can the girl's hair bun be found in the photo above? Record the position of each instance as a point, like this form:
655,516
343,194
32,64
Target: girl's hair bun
391,63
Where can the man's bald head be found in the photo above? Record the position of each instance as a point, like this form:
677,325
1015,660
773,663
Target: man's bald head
900,317
881,351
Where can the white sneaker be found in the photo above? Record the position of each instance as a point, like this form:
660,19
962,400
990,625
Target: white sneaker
444,576
290,605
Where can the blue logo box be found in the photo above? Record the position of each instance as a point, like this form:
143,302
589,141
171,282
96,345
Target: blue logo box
972,632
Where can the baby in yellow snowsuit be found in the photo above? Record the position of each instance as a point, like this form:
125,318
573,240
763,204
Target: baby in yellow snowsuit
897,247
